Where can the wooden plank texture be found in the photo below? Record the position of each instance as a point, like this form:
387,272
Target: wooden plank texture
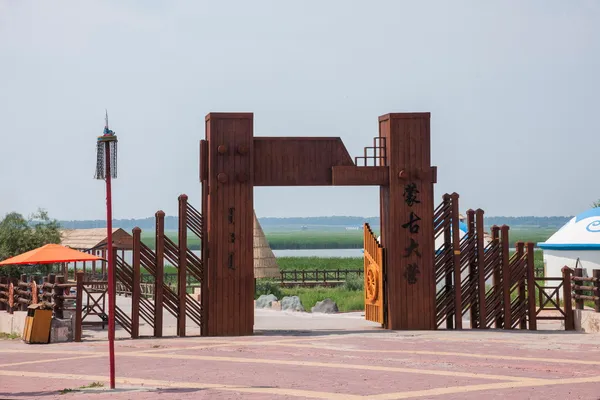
373,277
410,279
360,176
297,161
228,217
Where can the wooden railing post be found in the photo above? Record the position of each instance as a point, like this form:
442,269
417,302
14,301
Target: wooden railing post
51,281
505,276
578,272
135,287
22,306
521,284
160,273
473,271
497,276
456,262
3,293
480,268
58,297
531,309
447,201
569,317
104,263
182,270
596,292
79,306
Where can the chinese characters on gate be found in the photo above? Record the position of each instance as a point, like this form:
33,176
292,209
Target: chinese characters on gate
412,251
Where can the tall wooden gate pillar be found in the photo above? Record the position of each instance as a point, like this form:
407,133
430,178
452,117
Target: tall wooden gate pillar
406,204
227,198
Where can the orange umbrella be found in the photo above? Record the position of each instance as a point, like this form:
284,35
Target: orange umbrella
50,254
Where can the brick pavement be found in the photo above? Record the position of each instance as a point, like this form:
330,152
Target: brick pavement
372,364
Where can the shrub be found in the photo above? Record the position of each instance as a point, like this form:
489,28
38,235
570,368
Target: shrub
354,282
267,286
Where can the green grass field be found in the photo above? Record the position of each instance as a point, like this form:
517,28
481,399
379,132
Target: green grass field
286,240
340,240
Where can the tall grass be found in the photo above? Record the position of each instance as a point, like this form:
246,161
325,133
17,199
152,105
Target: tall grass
320,263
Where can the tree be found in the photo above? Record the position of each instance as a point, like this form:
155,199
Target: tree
596,204
19,235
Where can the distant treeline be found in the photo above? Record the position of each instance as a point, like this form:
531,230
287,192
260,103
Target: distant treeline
171,223
541,222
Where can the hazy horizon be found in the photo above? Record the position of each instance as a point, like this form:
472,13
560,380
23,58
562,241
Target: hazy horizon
512,88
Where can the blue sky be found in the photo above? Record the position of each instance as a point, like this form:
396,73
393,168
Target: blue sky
512,86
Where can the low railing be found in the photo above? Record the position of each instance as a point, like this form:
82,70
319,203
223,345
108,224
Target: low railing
16,294
326,277
586,288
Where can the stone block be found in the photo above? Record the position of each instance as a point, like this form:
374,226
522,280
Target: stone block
587,321
292,303
61,330
326,306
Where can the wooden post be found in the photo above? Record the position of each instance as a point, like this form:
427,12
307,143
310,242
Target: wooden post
578,272
58,297
21,306
410,281
596,274
204,289
473,270
532,309
520,251
79,306
160,273
497,276
182,270
448,245
569,317
456,262
480,268
135,287
230,199
507,322
104,263
3,281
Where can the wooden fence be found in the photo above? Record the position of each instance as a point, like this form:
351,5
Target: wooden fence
496,289
329,277
53,291
586,288
153,291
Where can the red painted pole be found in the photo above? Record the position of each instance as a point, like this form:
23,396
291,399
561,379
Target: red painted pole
111,266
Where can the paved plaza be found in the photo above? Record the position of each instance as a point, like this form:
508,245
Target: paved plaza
312,357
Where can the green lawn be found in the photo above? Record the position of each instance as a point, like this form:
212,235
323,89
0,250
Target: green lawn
286,240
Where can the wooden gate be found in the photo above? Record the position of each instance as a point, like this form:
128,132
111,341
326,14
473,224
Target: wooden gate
374,278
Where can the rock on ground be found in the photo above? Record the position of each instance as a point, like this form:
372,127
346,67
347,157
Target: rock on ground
265,300
326,306
291,303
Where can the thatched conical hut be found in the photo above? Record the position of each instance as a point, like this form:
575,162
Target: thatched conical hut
265,263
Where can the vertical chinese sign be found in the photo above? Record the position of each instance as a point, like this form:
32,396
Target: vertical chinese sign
412,252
